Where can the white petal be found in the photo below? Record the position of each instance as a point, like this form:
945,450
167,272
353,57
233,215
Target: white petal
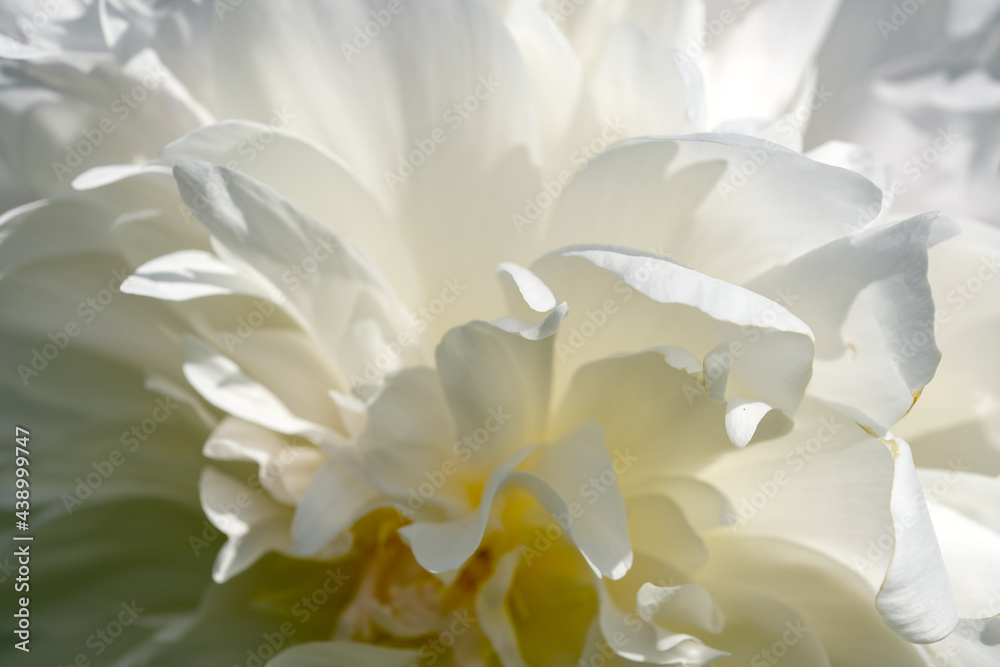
670,605
566,467
679,196
530,288
916,599
868,302
192,274
224,385
444,547
285,469
497,383
824,485
754,348
410,441
342,292
655,417
638,82
660,530
254,524
965,509
337,497
756,64
823,601
320,183
957,416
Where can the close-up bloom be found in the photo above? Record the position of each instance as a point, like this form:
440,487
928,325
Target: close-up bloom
514,333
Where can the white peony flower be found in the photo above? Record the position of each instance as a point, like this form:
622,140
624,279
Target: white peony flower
517,333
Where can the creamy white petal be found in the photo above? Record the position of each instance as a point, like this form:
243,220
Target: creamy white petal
679,196
639,83
531,290
566,467
445,546
824,485
651,412
659,529
834,605
223,384
254,523
285,469
320,183
868,302
411,442
497,385
915,600
192,274
337,497
557,79
755,66
332,286
956,416
627,301
647,642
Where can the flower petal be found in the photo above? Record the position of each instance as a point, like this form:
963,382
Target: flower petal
223,384
626,301
335,300
192,274
679,196
869,304
254,524
916,599
336,497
